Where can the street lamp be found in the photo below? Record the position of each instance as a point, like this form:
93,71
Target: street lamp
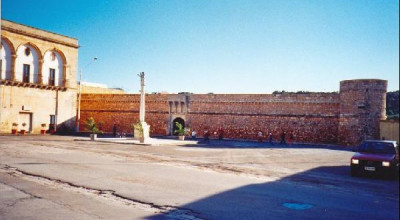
80,94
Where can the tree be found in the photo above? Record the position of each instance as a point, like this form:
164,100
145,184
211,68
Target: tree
92,127
181,131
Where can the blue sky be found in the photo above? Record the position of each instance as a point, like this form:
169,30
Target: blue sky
225,46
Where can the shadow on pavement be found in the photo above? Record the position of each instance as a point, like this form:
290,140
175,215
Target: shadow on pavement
320,193
275,145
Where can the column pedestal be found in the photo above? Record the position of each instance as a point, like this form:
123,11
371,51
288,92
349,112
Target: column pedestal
146,131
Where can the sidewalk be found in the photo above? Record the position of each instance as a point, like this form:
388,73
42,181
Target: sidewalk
147,141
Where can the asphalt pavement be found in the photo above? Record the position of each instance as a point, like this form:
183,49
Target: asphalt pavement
59,177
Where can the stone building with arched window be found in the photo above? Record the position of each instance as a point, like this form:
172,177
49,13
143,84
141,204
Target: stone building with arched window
38,87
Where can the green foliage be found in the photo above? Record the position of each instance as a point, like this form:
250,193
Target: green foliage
301,92
278,92
137,126
92,127
181,131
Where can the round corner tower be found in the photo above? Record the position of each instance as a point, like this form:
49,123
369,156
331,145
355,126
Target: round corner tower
362,106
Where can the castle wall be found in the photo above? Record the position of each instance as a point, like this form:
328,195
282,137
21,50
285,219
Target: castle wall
123,110
363,105
100,90
312,117
344,118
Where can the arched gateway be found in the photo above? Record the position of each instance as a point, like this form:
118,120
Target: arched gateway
174,127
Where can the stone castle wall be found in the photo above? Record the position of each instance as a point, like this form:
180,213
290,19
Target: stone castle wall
312,118
363,105
100,90
123,109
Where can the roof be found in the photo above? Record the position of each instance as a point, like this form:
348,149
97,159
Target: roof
29,31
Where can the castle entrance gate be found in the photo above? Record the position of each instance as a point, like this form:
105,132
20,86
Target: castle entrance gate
174,127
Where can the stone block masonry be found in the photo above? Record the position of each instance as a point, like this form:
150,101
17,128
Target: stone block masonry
38,87
345,118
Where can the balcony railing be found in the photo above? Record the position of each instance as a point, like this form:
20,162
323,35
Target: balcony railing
5,79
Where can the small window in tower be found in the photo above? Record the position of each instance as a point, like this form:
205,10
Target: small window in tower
27,51
52,76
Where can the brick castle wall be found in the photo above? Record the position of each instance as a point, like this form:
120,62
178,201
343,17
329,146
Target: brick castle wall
312,118
123,110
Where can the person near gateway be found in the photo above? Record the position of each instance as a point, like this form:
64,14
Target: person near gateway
260,136
194,133
206,136
283,138
270,137
291,138
115,130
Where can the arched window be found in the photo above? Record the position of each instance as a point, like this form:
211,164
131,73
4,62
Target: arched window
27,64
52,71
5,63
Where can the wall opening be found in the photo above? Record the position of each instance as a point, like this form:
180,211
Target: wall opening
174,127
25,121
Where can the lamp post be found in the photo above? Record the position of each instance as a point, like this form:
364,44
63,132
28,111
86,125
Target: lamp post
78,120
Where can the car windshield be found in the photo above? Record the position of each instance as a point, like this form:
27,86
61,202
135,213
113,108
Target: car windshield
377,147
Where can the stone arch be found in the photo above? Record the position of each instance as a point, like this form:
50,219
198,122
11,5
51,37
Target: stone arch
58,65
36,48
7,59
9,43
174,127
34,60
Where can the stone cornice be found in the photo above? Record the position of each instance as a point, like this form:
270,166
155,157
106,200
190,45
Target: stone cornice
31,85
41,34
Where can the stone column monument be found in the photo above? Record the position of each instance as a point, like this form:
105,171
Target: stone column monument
145,126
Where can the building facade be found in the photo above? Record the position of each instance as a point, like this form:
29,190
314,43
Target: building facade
346,118
38,88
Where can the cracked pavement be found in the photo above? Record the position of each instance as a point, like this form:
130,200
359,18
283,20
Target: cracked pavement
55,177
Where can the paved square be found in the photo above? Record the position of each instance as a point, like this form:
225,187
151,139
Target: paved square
43,177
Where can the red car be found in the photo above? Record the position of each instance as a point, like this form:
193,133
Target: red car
376,157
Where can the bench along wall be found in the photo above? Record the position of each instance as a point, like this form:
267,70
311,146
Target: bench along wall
346,117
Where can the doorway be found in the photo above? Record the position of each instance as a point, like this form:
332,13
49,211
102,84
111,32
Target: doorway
25,121
174,127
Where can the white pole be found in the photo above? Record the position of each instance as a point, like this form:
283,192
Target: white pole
80,94
142,98
79,102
